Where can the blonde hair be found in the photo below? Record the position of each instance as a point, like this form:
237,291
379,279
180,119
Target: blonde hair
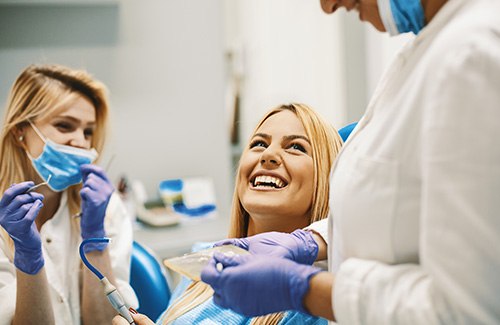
38,92
326,144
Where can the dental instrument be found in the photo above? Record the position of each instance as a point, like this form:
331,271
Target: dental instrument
110,291
34,187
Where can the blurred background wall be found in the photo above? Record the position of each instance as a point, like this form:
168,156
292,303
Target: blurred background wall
176,70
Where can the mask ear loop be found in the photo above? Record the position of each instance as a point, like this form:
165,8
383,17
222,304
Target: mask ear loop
37,131
39,134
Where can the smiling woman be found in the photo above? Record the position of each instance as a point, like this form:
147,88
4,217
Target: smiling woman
281,185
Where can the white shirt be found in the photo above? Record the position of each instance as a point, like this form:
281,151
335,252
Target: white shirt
60,243
415,191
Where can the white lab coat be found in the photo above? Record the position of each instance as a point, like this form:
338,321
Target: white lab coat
415,191
60,243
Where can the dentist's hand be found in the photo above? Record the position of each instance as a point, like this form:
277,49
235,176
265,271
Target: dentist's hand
18,211
95,194
299,246
255,285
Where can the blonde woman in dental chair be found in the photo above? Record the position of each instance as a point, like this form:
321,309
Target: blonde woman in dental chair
282,186
54,127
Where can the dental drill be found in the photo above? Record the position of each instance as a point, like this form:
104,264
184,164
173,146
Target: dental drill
110,291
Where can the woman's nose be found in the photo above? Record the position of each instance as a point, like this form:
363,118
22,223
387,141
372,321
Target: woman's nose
330,6
270,158
79,140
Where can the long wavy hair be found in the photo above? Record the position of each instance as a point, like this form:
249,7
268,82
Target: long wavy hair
326,144
38,92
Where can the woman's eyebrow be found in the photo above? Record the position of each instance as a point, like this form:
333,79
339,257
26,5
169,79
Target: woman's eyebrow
262,135
74,119
293,137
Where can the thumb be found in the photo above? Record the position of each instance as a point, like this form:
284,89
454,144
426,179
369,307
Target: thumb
33,211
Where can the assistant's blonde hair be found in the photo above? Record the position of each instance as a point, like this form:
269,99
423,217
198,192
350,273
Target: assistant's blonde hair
325,144
38,92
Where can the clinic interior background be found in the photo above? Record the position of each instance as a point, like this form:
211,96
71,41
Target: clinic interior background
173,69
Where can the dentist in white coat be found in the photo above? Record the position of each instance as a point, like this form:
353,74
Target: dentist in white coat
415,193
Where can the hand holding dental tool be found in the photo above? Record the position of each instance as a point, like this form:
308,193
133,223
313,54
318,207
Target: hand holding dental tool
255,285
110,290
95,193
298,246
18,211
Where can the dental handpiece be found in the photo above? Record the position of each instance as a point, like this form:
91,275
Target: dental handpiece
110,291
116,300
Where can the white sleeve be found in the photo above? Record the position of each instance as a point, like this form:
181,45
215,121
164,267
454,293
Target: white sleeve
7,286
321,228
118,227
458,278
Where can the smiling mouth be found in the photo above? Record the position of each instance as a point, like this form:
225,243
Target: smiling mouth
268,182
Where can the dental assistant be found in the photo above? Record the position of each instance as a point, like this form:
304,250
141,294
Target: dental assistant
54,128
414,224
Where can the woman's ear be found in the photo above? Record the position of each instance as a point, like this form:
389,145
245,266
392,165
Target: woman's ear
19,132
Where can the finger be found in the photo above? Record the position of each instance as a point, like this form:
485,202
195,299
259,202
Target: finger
239,242
210,275
14,190
227,261
88,169
85,193
119,320
20,200
219,300
93,182
37,196
33,211
140,319
229,241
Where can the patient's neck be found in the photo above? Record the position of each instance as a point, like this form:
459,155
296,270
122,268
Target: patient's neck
257,226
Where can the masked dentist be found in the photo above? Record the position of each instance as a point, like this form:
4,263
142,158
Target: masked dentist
54,127
415,213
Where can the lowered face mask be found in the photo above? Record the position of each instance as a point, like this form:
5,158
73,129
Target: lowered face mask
60,162
401,16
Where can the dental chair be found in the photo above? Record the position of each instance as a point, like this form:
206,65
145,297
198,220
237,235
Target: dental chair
150,282
345,131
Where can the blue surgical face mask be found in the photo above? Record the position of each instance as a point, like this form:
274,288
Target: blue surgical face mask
62,162
401,16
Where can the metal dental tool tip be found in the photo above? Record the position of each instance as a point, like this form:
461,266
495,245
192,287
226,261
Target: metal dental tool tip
39,185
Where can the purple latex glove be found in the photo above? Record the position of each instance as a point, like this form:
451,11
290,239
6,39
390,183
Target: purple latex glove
255,285
299,246
95,194
18,211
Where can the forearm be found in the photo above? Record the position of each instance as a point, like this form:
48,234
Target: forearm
33,303
318,299
96,308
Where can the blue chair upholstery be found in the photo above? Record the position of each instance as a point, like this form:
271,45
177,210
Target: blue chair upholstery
149,281
345,131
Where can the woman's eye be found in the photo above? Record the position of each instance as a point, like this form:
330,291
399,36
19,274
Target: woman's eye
88,133
63,126
258,143
297,146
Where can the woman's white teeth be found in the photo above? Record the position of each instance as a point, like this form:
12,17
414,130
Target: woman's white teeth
269,181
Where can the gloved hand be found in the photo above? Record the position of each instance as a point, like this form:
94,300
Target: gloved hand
18,211
299,246
255,285
95,194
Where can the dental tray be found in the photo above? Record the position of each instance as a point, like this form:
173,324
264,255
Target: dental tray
191,264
